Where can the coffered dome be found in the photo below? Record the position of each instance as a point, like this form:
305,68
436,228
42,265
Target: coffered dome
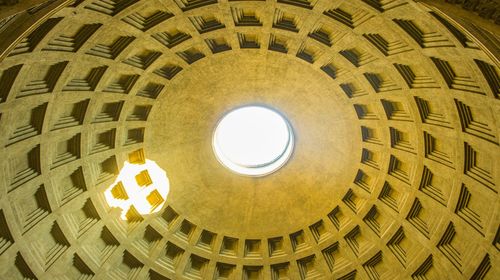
392,106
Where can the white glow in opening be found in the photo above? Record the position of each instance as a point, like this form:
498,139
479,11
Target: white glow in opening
139,189
253,140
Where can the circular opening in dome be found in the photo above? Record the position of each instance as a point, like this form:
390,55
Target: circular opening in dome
253,140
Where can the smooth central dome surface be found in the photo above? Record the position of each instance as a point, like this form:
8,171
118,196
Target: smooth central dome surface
248,205
253,140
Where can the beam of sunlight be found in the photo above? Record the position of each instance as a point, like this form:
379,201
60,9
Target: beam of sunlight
139,188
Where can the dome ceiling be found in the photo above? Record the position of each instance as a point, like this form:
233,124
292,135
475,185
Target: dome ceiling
394,108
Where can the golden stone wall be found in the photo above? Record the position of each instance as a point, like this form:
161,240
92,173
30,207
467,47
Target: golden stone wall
394,104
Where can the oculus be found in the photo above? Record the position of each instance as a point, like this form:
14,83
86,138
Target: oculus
253,140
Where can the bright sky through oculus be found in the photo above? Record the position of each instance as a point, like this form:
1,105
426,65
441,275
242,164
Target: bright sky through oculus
253,140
